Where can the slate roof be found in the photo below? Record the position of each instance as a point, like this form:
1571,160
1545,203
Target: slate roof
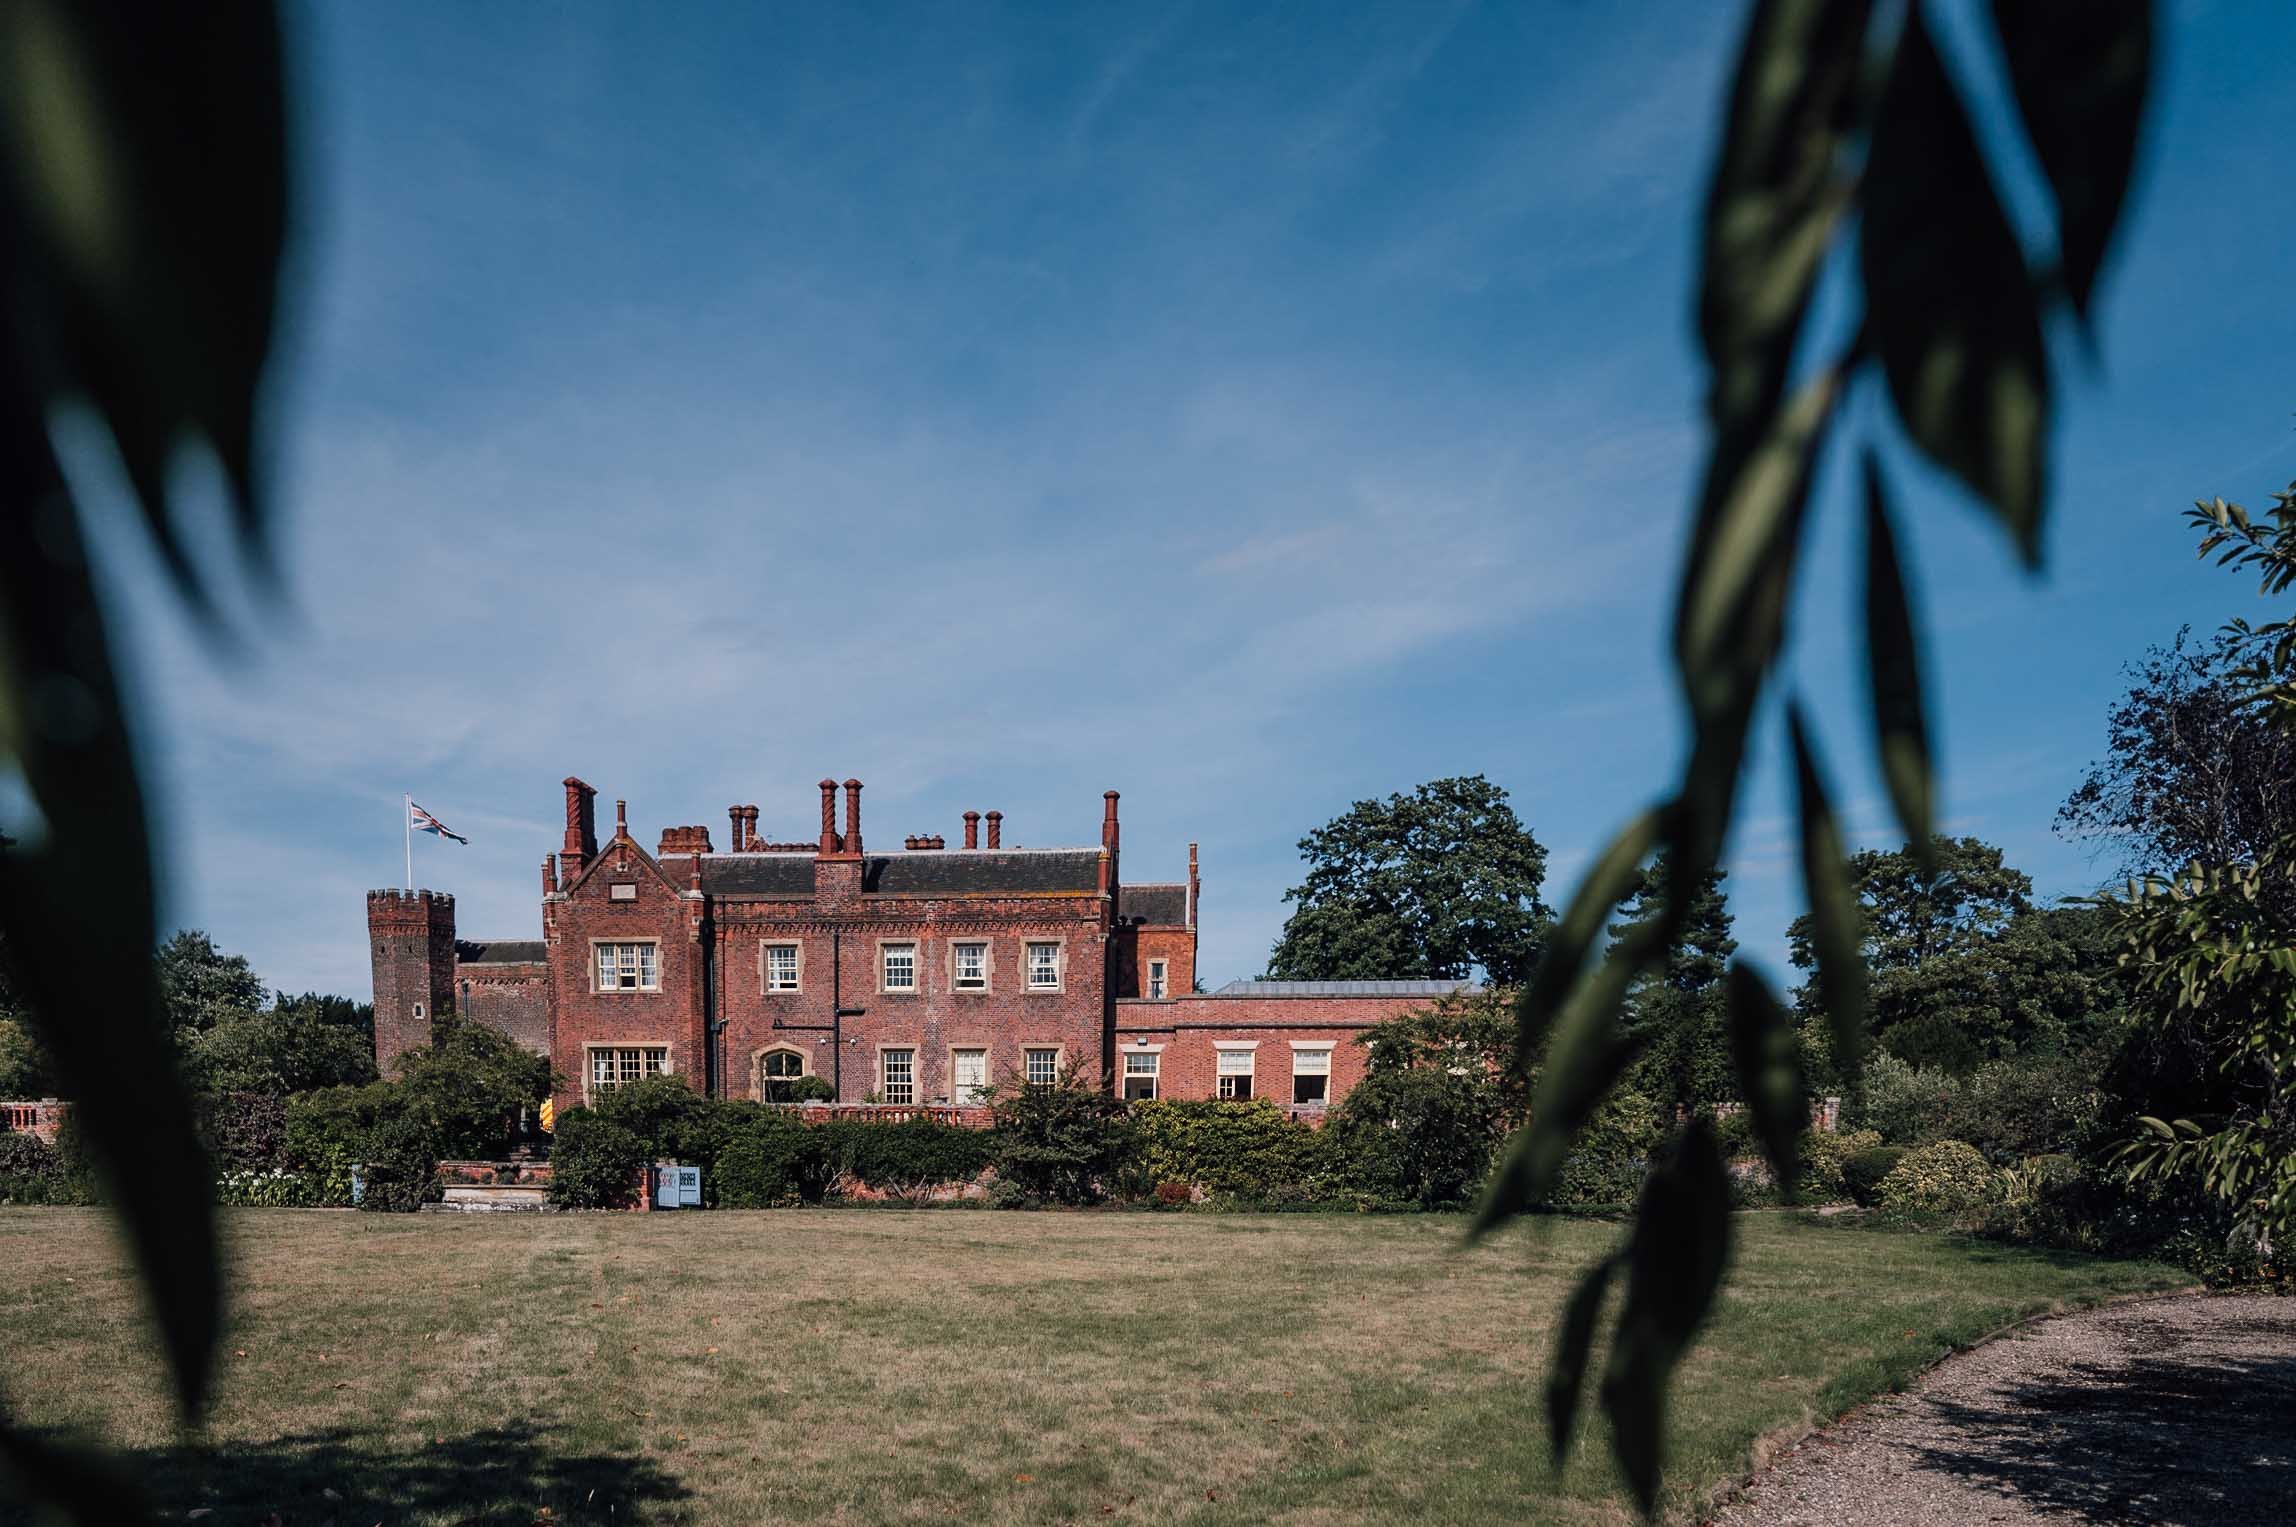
1345,988
1162,906
498,951
936,872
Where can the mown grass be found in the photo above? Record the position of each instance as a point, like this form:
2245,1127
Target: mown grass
875,1365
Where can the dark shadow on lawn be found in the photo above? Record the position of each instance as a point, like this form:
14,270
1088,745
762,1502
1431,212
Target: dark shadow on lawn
499,1477
2158,1438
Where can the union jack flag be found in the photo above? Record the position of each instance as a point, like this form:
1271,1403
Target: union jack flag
423,821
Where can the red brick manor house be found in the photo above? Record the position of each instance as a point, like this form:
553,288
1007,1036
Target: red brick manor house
905,978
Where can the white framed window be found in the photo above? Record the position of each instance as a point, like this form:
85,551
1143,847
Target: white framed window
969,965
1043,1066
968,1075
897,966
897,1075
1235,1074
1159,978
777,1074
781,967
629,967
1043,967
1310,1074
1140,1075
612,1065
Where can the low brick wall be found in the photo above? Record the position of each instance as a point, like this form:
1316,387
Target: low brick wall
41,1117
892,1113
519,1174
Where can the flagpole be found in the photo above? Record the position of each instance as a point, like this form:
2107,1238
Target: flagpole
407,821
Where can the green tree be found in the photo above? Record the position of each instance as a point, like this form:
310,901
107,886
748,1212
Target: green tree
1678,1011
1437,884
201,985
279,1051
2214,952
1469,1032
1966,969
469,1087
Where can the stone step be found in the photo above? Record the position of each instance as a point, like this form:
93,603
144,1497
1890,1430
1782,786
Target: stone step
492,1198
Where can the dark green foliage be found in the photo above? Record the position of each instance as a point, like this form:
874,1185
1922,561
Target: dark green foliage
1966,969
1248,1150
1678,1012
469,1088
1611,1156
202,985
1417,1134
27,1070
1862,1174
1475,1030
278,1051
244,1131
34,1172
669,1119
594,1162
917,1154
769,1166
1438,883
401,1166
807,1089
1062,1142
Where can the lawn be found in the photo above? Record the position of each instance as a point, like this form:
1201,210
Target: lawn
867,1365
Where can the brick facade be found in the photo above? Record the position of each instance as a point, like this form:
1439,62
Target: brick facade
770,960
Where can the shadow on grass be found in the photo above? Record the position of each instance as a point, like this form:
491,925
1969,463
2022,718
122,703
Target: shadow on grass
2158,1438
500,1477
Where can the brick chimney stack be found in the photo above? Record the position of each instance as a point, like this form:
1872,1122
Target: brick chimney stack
621,819
972,829
996,829
1108,820
549,874
829,816
581,827
853,817
733,818
749,829
1195,886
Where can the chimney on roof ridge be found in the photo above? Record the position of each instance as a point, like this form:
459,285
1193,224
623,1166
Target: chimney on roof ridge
749,829
829,816
1108,820
733,818
996,829
549,874
1195,886
972,829
852,816
581,826
621,819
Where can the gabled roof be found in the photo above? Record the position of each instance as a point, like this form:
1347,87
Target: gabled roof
501,951
1160,906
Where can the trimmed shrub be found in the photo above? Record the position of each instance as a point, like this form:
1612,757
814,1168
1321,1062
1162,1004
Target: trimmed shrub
1612,1154
1823,1158
243,1131
594,1163
401,1160
1061,1142
1416,1135
1863,1171
1947,1177
33,1172
769,1169
907,1157
1231,1149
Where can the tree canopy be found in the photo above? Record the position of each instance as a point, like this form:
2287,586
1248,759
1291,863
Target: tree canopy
201,985
2194,770
1437,884
1677,1011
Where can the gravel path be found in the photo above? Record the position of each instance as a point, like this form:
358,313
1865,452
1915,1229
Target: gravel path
2177,1410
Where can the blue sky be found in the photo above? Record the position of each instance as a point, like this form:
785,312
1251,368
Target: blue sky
1250,413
